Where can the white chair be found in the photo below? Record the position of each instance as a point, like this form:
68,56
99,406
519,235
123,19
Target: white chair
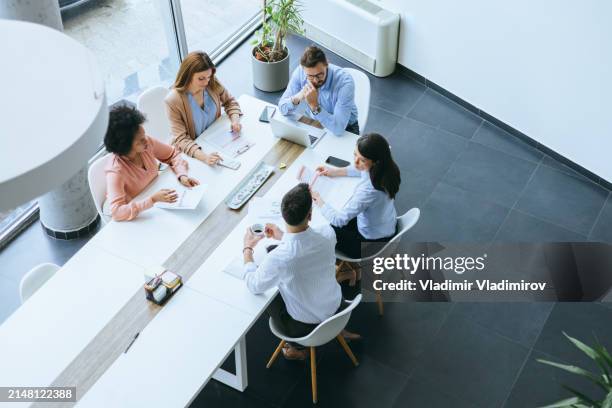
151,103
322,334
97,185
404,223
35,278
362,96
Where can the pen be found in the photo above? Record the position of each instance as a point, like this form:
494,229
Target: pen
131,342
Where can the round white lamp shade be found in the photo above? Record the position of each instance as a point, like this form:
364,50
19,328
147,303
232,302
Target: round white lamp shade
53,110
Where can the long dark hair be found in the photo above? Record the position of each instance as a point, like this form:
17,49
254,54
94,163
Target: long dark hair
384,173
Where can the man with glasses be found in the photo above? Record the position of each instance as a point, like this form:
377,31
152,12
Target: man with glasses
327,91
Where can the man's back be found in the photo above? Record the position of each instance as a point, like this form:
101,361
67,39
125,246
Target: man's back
303,267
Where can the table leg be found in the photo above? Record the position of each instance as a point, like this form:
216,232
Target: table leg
239,380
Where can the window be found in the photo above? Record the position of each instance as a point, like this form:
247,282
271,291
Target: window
133,41
210,23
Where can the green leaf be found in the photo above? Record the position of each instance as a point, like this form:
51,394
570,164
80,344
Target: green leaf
563,403
576,370
607,403
583,398
593,354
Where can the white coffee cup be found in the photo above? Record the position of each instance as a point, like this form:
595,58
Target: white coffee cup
258,229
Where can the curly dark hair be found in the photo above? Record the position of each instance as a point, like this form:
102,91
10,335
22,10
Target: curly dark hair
123,123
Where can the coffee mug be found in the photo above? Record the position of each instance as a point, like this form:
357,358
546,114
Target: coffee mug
258,229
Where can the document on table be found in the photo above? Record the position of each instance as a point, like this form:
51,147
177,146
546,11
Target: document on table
322,184
188,198
263,210
235,268
230,143
334,190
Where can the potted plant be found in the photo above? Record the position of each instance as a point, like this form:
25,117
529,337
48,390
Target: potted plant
603,380
270,55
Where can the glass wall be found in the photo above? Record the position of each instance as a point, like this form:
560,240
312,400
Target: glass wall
133,41
209,23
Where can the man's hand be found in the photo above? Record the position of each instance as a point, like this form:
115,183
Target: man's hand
272,231
250,239
311,94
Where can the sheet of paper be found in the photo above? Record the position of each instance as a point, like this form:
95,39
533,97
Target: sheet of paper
322,184
235,268
230,143
264,210
188,198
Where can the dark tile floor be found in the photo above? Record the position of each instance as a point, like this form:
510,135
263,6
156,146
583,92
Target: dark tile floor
473,182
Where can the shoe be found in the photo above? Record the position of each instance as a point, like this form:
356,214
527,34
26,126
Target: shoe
348,275
291,353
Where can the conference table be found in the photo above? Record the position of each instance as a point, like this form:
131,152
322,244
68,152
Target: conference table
75,330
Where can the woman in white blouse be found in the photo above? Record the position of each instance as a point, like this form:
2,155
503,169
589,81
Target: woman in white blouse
369,215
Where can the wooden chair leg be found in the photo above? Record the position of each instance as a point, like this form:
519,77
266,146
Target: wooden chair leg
379,301
275,354
313,374
347,349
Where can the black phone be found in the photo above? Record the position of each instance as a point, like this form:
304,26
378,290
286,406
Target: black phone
334,161
266,114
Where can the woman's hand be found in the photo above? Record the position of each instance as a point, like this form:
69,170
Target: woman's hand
272,231
188,181
328,171
165,196
236,126
211,159
316,198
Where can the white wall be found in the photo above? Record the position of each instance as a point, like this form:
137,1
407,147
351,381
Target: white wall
543,67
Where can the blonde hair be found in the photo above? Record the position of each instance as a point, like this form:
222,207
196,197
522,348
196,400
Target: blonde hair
196,61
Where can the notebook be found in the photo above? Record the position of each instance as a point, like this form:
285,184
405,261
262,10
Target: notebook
188,198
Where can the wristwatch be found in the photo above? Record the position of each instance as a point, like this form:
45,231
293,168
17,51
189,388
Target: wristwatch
316,111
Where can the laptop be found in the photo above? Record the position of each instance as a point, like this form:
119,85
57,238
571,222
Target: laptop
301,134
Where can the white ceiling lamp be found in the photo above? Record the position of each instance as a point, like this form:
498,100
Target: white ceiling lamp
53,112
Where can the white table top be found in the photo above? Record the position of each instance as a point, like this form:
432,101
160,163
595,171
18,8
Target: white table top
211,302
155,234
173,357
50,329
200,325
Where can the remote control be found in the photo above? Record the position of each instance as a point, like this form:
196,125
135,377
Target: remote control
249,186
229,163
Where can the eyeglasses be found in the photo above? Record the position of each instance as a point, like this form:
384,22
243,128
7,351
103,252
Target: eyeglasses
318,76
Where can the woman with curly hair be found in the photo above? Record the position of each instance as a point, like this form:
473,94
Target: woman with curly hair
133,164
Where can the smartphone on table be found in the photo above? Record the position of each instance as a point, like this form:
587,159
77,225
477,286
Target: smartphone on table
334,161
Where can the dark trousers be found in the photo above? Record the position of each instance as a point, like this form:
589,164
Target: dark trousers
353,128
287,324
349,240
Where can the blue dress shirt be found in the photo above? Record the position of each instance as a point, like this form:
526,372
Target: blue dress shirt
336,98
375,211
202,117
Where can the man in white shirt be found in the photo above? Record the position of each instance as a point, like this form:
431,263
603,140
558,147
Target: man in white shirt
302,266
